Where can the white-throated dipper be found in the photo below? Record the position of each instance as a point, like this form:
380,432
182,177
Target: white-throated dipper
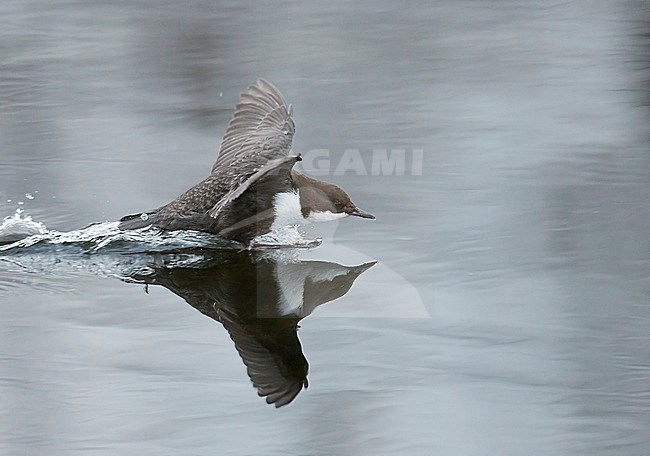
252,188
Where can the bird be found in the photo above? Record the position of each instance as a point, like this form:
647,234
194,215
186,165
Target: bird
253,188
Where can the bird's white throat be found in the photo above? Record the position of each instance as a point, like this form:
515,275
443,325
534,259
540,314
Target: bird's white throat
289,212
326,216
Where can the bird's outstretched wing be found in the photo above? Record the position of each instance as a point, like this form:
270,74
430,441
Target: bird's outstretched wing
261,126
247,210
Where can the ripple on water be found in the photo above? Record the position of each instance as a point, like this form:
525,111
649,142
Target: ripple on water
35,258
14,281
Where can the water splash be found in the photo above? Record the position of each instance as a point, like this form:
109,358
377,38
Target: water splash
16,227
19,232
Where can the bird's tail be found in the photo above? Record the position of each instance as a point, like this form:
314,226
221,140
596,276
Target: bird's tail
140,220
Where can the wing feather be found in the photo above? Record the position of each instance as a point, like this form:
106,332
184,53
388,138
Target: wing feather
247,210
261,126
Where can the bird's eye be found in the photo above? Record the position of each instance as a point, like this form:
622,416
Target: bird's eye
339,204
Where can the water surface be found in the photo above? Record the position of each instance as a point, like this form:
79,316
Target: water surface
508,311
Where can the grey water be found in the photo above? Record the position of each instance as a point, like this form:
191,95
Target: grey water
508,312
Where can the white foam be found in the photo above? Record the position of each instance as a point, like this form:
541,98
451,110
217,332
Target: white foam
15,227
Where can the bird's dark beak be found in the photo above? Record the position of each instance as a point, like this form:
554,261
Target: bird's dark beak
363,214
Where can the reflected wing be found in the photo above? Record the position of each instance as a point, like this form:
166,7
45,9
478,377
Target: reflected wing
272,354
247,210
262,125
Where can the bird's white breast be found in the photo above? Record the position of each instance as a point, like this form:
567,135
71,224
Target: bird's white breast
287,210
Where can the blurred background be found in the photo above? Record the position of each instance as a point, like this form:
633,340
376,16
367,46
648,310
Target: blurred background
508,313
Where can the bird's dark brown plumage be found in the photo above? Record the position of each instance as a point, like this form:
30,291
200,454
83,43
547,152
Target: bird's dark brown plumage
256,146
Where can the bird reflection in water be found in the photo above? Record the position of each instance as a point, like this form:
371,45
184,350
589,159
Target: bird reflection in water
260,300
